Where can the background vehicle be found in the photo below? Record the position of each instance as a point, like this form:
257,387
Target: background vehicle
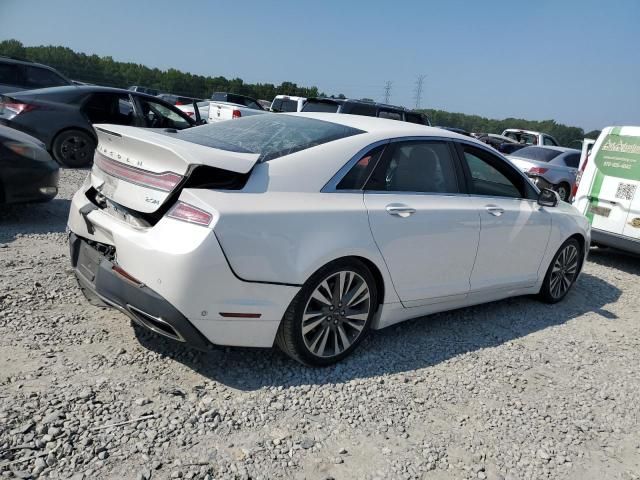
549,167
501,143
287,103
457,130
227,106
147,90
203,109
529,137
265,104
16,75
367,109
27,171
309,229
62,117
177,100
608,192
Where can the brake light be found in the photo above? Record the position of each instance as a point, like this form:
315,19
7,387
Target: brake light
236,114
189,213
537,170
165,181
17,107
574,190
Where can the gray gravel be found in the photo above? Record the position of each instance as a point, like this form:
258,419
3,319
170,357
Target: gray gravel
511,390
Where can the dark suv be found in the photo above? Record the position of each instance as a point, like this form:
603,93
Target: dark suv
16,75
362,107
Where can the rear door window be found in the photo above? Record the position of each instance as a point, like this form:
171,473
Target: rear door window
362,109
10,74
110,108
416,166
327,107
36,77
390,114
284,105
158,115
357,176
572,160
414,118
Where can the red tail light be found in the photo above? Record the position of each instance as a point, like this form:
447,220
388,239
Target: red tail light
178,102
574,190
17,107
166,181
189,213
236,114
191,114
537,170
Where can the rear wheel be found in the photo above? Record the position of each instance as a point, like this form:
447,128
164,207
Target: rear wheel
562,272
563,190
330,315
74,148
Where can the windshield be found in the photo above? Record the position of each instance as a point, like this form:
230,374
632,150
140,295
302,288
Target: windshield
538,154
284,105
270,135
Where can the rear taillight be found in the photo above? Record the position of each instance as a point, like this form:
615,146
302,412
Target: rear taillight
537,170
574,190
165,181
17,107
189,213
236,114
191,114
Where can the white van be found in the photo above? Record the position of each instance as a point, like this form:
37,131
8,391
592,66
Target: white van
608,191
287,103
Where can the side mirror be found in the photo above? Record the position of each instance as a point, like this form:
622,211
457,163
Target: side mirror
548,198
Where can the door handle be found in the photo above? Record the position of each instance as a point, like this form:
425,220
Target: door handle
495,211
400,210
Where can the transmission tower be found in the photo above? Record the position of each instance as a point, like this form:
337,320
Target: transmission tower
387,91
418,91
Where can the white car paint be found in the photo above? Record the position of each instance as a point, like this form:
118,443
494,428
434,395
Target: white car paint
221,111
266,239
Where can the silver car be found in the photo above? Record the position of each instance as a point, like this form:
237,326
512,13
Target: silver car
549,167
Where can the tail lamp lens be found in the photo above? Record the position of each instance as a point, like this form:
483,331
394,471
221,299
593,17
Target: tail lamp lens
237,114
538,170
190,214
166,181
17,107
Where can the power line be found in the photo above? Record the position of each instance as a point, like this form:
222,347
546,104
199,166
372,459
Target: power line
418,91
387,91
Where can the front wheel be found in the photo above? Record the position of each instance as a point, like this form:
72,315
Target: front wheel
74,148
562,272
330,315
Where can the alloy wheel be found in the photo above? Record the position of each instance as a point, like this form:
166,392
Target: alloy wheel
564,271
75,148
336,313
563,193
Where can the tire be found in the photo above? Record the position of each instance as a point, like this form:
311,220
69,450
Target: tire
74,148
562,272
330,332
564,190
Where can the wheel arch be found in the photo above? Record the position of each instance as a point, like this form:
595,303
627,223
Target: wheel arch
54,137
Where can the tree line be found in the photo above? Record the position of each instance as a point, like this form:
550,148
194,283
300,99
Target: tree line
107,71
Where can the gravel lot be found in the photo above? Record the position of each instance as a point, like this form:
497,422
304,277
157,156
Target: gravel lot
511,390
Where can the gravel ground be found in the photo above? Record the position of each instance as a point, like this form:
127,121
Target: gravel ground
511,390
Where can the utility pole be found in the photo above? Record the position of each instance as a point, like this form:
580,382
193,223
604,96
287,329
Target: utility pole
387,91
418,91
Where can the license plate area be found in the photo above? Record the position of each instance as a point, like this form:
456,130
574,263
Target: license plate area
88,261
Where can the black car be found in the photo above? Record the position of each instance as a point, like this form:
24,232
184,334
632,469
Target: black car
16,75
62,117
27,171
362,107
459,131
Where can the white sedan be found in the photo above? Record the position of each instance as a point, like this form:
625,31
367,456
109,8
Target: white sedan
307,230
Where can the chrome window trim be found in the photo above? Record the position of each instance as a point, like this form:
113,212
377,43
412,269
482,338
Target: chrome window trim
330,186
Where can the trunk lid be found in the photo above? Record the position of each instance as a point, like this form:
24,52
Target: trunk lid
140,169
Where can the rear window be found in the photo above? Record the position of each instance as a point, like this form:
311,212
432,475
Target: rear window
271,136
327,107
36,77
284,105
390,114
538,154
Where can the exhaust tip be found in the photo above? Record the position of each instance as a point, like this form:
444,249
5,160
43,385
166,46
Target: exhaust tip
155,324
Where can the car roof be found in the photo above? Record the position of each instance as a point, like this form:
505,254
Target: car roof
83,89
24,61
520,130
382,126
361,102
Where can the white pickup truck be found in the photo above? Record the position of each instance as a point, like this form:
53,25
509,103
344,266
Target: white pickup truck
226,106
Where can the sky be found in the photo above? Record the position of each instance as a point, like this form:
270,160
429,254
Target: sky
574,61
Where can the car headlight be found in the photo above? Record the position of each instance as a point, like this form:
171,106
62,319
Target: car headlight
24,150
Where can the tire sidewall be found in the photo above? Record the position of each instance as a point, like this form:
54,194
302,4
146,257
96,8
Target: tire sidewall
545,291
303,297
60,139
